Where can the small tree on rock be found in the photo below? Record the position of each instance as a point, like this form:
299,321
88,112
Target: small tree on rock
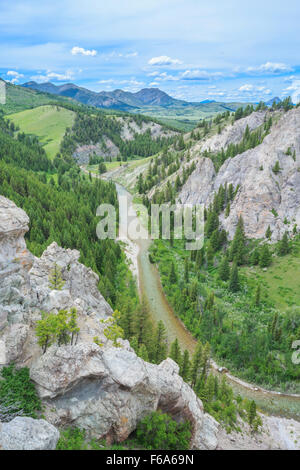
56,281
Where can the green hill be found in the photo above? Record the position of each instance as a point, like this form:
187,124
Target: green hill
19,99
47,122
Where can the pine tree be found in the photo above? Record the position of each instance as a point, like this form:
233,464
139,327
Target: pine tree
234,283
186,270
276,168
227,211
215,240
268,233
143,326
172,275
257,295
251,413
199,259
175,352
254,258
160,346
196,364
140,184
224,269
185,366
209,255
265,257
284,248
56,281
143,353
238,247
73,327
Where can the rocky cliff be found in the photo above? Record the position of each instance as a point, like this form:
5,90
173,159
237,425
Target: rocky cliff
105,390
265,197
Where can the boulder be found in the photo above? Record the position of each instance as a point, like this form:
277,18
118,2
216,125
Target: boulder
28,434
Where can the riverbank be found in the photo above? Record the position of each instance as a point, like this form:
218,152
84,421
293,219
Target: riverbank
270,402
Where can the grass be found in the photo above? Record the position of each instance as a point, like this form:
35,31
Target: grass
19,99
281,281
48,123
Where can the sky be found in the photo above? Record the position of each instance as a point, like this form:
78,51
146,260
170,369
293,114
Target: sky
192,49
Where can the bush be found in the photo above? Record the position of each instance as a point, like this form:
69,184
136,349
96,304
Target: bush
72,439
17,393
160,431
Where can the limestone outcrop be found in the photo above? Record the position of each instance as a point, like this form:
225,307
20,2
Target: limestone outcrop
28,434
265,197
103,389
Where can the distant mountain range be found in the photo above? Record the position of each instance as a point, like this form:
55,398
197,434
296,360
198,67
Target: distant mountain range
148,101
117,99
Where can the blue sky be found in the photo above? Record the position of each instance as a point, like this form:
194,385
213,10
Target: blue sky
193,49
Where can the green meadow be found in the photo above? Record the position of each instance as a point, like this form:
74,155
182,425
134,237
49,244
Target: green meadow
48,123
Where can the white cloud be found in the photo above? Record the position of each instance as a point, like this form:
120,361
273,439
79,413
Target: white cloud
48,76
110,80
80,50
271,67
252,89
128,55
216,93
15,76
246,87
163,60
290,78
199,75
295,89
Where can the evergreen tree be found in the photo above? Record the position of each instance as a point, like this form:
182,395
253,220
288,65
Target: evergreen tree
143,326
257,295
284,248
224,269
265,257
160,346
185,366
215,240
143,353
186,270
238,247
209,255
175,352
196,364
276,168
234,283
269,233
251,413
172,275
56,281
199,259
72,326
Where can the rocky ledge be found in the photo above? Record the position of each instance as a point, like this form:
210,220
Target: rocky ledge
105,390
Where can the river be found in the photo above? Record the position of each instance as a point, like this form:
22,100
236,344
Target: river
274,403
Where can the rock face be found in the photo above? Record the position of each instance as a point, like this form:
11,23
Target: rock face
232,134
128,130
264,198
108,391
25,291
105,390
28,434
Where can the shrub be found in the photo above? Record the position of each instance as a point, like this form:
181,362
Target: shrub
72,439
160,431
17,393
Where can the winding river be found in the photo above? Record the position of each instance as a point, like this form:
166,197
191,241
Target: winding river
270,402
